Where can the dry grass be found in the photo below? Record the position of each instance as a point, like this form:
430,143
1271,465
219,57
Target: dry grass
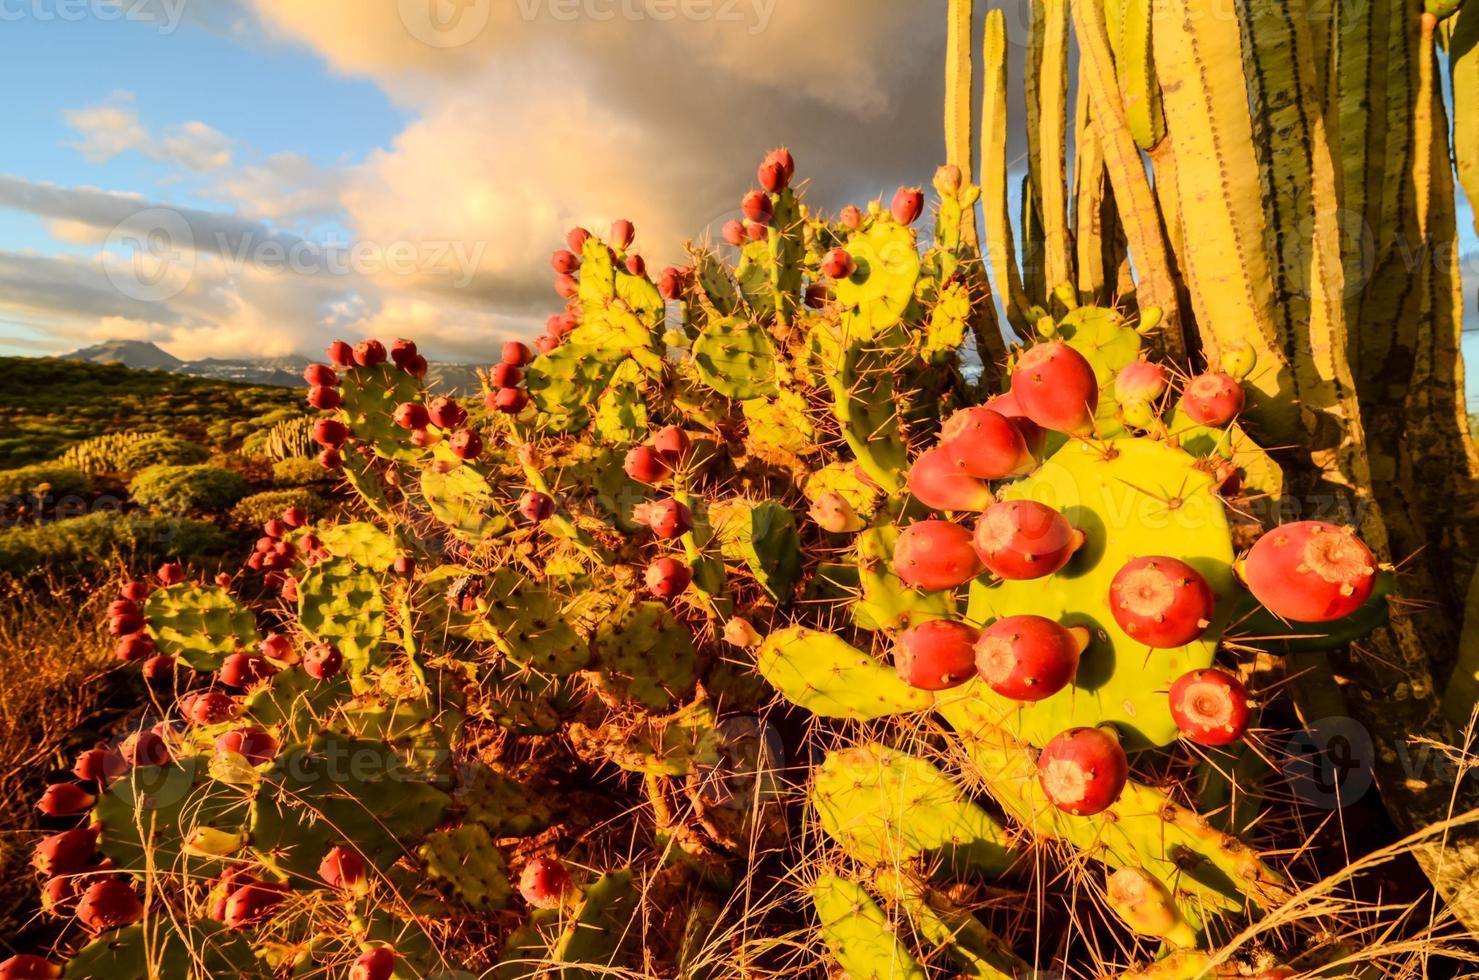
55,692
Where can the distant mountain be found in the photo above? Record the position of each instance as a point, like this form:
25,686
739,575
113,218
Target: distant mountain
285,372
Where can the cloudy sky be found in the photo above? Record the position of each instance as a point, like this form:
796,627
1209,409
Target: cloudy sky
236,177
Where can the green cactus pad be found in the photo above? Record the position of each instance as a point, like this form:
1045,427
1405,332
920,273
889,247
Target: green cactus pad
643,654
202,948
621,413
361,476
736,358
200,625
594,940
505,806
886,807
466,859
948,320
370,399
881,290
859,934
1260,474
1144,829
847,481
524,619
337,788
764,537
294,705
362,543
714,281
148,817
341,603
825,675
885,602
1132,498
978,953
565,382
669,745
459,496
779,424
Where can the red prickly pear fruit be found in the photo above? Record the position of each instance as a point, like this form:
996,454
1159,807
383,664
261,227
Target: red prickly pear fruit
1161,602
275,528
294,517
136,646
839,264
576,238
566,287
330,459
516,354
646,465
341,354
343,868
1210,706
26,967
369,353
135,591
786,159
636,265
126,624
1140,381
100,766
543,345
668,578
159,668
1310,571
65,852
446,413
1083,771
948,180
623,233
936,482
1056,388
734,233
1023,539
401,351
936,655
212,708
278,647
507,375
403,565
560,324
668,518
466,444
243,670
252,744
1033,434
564,261
251,904
935,555
851,217
65,800
170,573
738,632
322,661
833,513
544,883
985,444
320,376
672,283
109,904
672,442
536,507
1213,399
411,415
511,401
120,608
223,580
908,205
325,399
818,295
145,749
376,964
330,433
758,232
1029,658
758,208
415,366
771,176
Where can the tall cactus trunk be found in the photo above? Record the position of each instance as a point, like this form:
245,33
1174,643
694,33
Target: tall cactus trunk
1282,182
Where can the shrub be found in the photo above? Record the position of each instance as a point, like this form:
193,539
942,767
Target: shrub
159,451
100,454
178,489
284,439
262,507
62,480
88,542
295,471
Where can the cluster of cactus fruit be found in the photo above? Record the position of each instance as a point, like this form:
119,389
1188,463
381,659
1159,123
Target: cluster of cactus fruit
775,468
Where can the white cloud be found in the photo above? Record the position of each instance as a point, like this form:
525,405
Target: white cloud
112,127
